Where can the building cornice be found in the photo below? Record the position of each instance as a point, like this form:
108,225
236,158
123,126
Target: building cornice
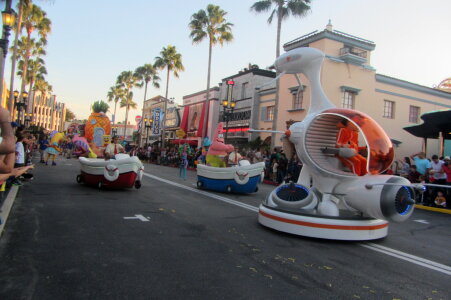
411,86
335,35
202,92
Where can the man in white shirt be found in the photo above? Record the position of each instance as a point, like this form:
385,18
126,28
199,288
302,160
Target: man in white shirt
20,151
114,148
439,175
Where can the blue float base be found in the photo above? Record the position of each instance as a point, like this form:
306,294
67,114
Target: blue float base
220,185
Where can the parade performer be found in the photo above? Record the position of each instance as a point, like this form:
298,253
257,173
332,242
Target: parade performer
54,148
81,147
218,150
348,137
114,148
183,160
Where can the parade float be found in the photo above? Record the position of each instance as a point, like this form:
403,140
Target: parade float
123,171
340,193
215,176
97,128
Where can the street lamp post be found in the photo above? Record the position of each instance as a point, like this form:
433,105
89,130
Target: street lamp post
148,125
228,107
8,18
27,119
21,104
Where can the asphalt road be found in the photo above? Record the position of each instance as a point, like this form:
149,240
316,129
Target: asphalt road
68,241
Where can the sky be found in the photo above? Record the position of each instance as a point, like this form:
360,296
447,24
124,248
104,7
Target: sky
93,41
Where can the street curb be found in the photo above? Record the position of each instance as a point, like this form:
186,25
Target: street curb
7,205
436,209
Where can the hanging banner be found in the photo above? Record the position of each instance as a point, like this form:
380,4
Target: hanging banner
156,121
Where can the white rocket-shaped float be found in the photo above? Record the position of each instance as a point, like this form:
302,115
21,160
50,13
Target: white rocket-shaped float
340,193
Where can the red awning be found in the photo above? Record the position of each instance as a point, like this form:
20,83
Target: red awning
183,141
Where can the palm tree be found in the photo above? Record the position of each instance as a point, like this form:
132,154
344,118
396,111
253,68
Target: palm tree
42,86
282,10
210,24
34,18
172,61
146,74
36,70
116,94
128,103
21,5
127,80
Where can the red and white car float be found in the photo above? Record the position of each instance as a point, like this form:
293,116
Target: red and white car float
123,171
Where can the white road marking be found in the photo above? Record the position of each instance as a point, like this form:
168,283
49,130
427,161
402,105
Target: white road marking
138,217
409,257
195,190
372,246
421,221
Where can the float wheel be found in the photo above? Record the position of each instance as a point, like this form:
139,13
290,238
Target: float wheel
229,189
79,179
200,184
137,184
256,189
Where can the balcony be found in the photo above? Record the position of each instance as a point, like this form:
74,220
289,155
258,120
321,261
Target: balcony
353,55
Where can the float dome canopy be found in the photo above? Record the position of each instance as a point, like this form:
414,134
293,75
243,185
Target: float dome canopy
434,123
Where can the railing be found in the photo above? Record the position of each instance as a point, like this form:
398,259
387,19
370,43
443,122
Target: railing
353,51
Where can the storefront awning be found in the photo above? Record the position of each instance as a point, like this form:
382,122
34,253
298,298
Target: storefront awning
184,141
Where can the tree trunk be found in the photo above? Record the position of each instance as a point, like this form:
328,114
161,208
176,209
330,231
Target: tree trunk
163,131
126,114
25,69
115,105
207,99
279,28
276,98
13,63
141,133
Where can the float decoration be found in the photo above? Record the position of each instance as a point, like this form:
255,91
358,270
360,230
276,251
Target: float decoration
122,172
340,193
98,124
215,176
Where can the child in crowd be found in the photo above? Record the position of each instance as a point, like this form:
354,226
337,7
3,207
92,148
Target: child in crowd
440,200
275,165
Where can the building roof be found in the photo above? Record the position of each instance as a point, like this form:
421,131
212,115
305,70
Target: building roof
412,86
254,71
347,39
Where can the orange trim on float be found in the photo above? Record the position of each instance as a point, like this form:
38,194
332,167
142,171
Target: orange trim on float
326,226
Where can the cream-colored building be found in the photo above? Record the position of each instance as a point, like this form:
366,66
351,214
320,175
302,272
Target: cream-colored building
153,110
47,113
350,81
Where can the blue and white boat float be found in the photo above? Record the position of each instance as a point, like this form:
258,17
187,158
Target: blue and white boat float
243,178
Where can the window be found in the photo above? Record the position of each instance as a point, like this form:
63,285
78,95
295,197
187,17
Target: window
348,99
389,109
270,113
414,113
298,99
244,87
267,113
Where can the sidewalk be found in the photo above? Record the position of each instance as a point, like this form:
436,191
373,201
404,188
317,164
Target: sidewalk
7,205
436,209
